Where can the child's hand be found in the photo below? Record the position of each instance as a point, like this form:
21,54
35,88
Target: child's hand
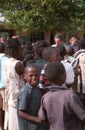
38,120
44,122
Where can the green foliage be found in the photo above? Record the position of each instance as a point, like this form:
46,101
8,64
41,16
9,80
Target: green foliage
53,15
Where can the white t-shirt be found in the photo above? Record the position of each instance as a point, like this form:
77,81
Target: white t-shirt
69,72
54,45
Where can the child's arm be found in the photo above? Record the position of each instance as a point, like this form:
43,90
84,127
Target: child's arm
19,68
43,114
28,117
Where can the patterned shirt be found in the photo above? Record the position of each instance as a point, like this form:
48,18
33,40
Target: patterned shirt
43,82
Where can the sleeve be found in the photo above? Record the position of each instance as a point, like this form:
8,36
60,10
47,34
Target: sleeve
42,112
74,62
70,74
77,106
23,101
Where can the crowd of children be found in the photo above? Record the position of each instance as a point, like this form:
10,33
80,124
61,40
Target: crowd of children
41,89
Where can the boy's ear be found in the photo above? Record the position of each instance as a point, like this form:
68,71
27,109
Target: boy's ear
49,59
61,78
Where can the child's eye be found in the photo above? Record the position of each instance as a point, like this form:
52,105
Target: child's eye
33,75
29,75
36,75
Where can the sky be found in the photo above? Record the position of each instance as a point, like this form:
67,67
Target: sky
1,18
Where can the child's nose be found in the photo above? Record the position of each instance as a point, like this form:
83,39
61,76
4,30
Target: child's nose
34,77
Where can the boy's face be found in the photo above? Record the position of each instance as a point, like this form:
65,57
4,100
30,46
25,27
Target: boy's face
55,56
58,41
74,41
32,76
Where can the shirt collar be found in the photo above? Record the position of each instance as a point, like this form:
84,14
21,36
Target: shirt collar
56,88
28,85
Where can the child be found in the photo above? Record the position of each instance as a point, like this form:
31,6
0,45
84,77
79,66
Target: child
29,98
3,58
70,53
69,69
61,106
38,50
50,54
13,76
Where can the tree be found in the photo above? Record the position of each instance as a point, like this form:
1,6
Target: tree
51,15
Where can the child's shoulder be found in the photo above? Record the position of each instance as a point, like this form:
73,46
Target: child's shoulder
70,93
66,92
26,89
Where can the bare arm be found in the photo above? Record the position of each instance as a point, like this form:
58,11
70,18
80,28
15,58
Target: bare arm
19,68
28,117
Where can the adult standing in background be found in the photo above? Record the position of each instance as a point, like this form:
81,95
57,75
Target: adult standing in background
58,39
73,43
